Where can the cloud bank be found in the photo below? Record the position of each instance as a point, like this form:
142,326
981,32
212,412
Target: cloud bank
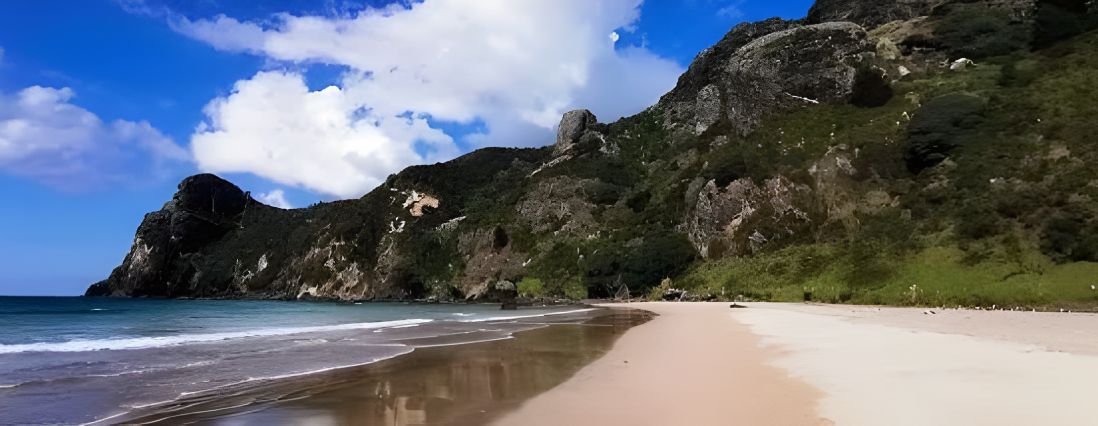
44,137
507,68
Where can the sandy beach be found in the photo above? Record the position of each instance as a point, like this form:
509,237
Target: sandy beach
706,364
792,364
692,365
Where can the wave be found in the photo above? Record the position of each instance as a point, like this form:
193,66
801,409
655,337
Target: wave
163,341
514,317
77,311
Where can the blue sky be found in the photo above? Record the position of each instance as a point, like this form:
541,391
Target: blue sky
123,98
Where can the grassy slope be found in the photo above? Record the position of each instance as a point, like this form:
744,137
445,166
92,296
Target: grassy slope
1012,225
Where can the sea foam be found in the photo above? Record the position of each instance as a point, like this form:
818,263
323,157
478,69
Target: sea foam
162,341
514,317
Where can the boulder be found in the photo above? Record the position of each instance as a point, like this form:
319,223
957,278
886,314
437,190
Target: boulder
572,127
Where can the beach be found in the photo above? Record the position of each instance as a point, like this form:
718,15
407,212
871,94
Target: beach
798,364
658,363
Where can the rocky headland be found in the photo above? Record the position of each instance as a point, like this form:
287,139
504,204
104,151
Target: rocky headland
856,155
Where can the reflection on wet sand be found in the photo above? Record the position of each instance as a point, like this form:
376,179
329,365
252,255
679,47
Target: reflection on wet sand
454,385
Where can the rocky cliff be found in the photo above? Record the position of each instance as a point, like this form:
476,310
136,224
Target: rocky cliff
869,134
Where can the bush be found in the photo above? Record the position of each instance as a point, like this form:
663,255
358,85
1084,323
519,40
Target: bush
1070,236
531,287
1019,73
574,289
603,193
936,128
659,257
1058,20
978,220
973,31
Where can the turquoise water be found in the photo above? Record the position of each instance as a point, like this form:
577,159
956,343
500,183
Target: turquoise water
78,360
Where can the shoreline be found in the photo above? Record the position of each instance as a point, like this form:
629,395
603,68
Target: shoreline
691,365
139,357
658,363
432,381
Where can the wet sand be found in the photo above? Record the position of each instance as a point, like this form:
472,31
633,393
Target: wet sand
692,365
466,384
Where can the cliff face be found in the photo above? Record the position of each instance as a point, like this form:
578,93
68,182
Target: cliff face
858,123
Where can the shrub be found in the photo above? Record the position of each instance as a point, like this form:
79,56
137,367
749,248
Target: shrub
1019,73
1069,236
574,289
659,257
1058,20
531,287
973,31
936,128
603,193
978,220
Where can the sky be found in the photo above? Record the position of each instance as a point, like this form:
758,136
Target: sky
105,105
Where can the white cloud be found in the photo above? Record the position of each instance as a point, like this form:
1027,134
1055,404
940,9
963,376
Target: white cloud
43,136
272,125
514,66
1,54
223,33
275,198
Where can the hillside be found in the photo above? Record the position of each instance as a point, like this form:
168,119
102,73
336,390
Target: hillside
899,152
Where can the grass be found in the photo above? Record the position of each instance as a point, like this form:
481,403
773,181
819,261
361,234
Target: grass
934,276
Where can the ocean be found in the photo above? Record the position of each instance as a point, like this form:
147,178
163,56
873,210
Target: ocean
84,360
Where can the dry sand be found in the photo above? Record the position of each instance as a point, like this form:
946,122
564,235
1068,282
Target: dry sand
793,364
899,366
692,365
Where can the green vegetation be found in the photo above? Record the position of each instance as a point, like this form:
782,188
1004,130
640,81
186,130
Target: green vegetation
968,188
1010,221
973,186
934,276
973,31
531,287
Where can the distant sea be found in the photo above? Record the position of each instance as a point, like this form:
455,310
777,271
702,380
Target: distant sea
78,360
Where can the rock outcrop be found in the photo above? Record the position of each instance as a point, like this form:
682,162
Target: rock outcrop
743,216
573,126
783,66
